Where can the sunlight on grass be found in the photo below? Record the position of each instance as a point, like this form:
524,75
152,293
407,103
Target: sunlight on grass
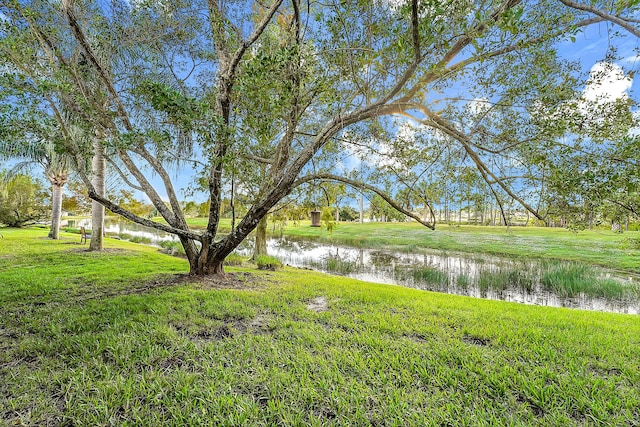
108,339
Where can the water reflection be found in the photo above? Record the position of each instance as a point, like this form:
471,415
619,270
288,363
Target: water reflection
128,231
507,279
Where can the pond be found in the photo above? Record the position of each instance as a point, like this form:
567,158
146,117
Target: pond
127,231
541,282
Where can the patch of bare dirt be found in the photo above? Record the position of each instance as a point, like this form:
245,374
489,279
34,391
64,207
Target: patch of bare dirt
479,341
318,304
261,321
417,337
261,324
226,281
170,363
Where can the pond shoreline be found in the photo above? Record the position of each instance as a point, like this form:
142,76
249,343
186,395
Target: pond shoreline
549,283
509,277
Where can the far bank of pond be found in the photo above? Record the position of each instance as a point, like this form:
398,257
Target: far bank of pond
510,278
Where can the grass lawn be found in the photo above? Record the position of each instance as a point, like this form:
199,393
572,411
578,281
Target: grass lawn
601,247
114,338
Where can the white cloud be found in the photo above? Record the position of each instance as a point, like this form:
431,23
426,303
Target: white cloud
406,132
597,107
478,106
607,83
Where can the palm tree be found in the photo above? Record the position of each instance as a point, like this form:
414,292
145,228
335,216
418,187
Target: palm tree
97,210
56,168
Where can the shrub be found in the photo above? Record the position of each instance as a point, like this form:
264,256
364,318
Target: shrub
171,247
266,262
234,259
23,200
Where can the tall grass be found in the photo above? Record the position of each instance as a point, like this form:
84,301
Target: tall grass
234,259
430,275
337,265
503,278
571,279
463,281
267,262
134,239
334,265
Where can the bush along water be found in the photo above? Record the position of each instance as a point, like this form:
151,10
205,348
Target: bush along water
234,259
171,247
267,262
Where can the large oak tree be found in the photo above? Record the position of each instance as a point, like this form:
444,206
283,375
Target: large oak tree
277,92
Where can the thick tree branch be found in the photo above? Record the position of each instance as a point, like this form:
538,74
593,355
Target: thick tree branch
166,180
624,206
514,47
227,69
604,15
457,47
255,35
415,31
139,220
153,195
258,159
123,175
174,217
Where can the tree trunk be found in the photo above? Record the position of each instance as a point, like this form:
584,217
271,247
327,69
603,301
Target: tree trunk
211,267
56,209
446,207
97,210
233,200
261,238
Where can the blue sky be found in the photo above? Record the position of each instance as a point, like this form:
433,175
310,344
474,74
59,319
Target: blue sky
590,47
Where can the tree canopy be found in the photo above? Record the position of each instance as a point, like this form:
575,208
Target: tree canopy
281,93
23,200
